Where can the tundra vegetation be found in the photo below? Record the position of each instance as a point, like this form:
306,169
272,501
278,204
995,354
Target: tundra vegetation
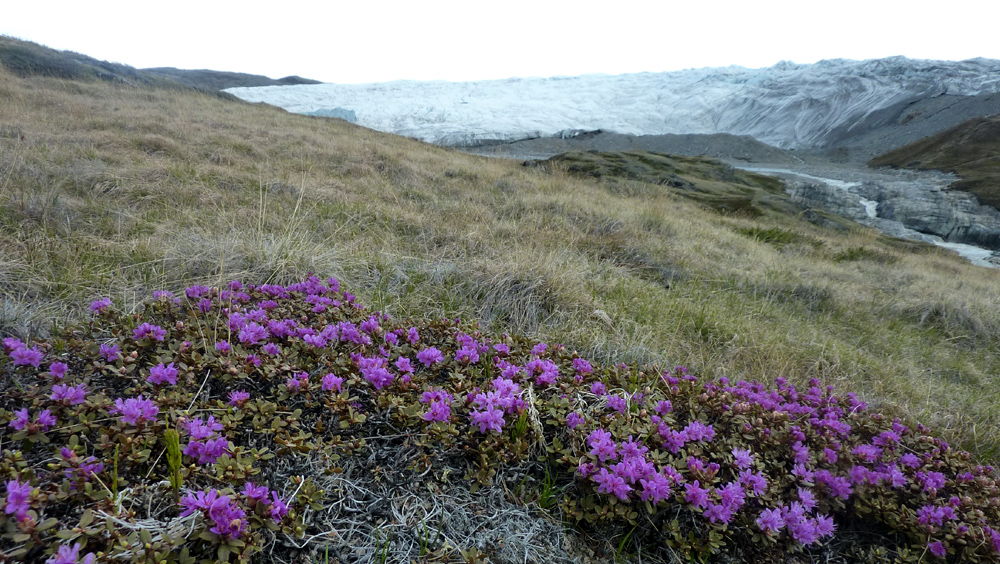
512,388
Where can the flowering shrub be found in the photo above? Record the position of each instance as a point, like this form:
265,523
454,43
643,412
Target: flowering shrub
258,381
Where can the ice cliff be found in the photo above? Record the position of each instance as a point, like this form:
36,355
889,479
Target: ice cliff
787,105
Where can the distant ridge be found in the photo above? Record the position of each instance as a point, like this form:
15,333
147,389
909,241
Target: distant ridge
25,58
220,80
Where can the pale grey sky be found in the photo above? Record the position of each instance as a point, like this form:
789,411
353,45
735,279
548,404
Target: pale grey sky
374,41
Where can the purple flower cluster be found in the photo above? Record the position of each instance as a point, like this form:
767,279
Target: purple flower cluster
205,445
228,518
439,402
69,395
110,352
376,371
148,330
795,516
258,494
430,356
79,470
18,499
505,397
23,356
546,372
160,375
44,420
332,382
238,397
71,555
135,411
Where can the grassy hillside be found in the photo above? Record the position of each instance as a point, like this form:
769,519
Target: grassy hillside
971,150
108,189
111,190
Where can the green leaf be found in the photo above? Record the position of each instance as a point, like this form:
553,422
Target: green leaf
47,524
87,518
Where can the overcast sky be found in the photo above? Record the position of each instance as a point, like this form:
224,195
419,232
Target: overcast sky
374,41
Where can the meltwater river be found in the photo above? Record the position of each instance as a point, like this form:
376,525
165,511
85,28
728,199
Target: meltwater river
854,185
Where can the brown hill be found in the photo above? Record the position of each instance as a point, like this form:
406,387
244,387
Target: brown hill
971,150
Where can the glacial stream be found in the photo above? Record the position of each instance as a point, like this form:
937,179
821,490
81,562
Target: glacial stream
839,194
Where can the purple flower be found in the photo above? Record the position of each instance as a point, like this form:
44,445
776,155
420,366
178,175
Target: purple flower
581,366
11,344
664,407
932,481
598,388
135,410
69,395
756,482
770,521
574,420
100,305
378,376
195,292
439,411
160,374
147,330
721,513
656,487
403,364
502,348
297,381
238,397
539,349
21,419
867,453
742,458
609,483
209,451
45,419
413,336
617,403
698,431
278,507
255,492
731,495
490,419
58,370
202,429
467,355
274,350
18,498
252,333
110,352
332,382
228,519
70,555
807,498
602,446
223,347
24,356
937,549
430,356
696,495
316,341
825,526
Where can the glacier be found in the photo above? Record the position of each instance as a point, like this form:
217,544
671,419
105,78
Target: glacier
788,105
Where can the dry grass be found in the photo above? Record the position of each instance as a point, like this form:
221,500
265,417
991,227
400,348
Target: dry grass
110,190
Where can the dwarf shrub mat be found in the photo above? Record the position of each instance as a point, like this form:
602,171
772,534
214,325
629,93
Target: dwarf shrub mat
201,427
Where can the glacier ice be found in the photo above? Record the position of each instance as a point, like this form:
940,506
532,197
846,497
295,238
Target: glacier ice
787,105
